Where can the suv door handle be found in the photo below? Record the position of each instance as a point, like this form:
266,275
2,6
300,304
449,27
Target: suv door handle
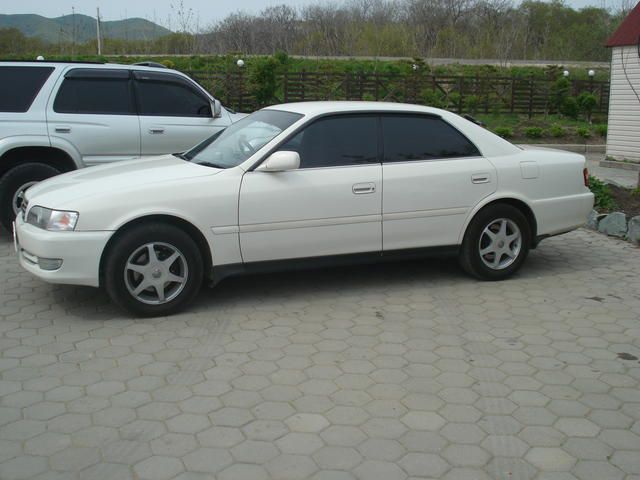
156,130
63,129
364,188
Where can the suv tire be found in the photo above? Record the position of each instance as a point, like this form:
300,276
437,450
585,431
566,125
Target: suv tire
13,185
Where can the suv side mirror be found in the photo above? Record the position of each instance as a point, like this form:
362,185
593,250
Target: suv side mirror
280,162
216,108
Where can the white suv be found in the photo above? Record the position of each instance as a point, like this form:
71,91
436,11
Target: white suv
57,117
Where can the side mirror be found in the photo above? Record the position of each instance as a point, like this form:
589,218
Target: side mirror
280,162
216,108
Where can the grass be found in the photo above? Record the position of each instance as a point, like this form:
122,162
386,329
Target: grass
545,128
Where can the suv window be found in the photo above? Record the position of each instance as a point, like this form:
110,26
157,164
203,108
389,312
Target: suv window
422,137
20,86
161,94
337,141
93,91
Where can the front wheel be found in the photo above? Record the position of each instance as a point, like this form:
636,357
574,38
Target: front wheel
13,185
153,270
496,243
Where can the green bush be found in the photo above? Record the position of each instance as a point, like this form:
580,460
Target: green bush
603,198
586,103
434,98
263,81
570,107
557,131
504,132
534,132
583,132
471,104
601,129
560,90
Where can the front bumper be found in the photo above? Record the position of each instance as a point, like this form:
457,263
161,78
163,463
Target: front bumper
80,253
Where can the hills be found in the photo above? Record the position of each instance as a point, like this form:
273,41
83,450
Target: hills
81,28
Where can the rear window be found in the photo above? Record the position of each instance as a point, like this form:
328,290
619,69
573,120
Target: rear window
20,86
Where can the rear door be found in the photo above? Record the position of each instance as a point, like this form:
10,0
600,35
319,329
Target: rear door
433,175
93,111
174,113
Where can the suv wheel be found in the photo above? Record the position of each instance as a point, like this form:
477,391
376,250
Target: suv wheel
153,270
496,243
13,185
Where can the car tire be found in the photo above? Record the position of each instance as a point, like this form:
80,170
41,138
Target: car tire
172,279
496,243
15,182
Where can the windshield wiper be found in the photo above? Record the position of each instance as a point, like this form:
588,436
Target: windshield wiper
181,156
211,164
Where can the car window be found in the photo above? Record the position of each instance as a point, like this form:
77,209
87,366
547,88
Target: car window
235,144
20,86
169,95
337,141
93,91
422,137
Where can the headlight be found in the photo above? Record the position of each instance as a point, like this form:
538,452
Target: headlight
54,220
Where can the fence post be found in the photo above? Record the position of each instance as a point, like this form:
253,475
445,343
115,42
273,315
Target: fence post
530,97
460,93
513,93
285,86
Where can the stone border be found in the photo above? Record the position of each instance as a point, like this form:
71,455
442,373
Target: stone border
621,165
616,225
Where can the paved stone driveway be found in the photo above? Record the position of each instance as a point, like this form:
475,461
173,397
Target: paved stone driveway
383,372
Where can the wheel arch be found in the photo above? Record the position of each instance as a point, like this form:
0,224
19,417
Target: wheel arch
513,201
193,231
53,156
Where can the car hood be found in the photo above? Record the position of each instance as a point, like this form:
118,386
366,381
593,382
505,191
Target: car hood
130,175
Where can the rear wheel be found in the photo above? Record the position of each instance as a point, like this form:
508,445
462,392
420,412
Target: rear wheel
15,183
496,243
153,270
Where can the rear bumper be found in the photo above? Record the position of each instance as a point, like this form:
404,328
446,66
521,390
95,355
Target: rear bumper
80,253
562,214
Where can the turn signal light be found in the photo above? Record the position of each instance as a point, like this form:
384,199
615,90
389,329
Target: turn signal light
585,174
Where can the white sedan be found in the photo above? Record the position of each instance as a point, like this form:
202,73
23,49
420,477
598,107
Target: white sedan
301,184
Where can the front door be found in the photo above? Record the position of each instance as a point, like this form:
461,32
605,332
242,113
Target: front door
331,205
433,176
174,114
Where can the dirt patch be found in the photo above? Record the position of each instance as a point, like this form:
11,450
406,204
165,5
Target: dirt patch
627,201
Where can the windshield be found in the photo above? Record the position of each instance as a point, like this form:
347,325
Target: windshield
232,146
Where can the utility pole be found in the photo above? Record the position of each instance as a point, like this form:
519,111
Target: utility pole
73,31
98,30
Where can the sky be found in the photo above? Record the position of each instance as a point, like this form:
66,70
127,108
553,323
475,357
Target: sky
164,11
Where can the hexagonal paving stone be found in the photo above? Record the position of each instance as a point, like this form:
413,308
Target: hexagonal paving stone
158,468
301,443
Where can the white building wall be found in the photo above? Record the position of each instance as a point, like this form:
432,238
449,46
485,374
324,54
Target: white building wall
623,136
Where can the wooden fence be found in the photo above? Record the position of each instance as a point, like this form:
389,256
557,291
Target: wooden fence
461,94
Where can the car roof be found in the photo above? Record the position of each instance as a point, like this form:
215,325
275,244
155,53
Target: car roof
78,64
325,107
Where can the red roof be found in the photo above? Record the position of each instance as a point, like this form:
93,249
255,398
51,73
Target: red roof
628,33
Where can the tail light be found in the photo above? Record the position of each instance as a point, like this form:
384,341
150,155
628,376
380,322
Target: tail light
585,174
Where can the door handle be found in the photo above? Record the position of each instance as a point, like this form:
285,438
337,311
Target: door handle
480,178
63,129
156,130
363,188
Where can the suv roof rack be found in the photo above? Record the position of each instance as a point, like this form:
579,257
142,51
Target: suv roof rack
51,61
151,64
